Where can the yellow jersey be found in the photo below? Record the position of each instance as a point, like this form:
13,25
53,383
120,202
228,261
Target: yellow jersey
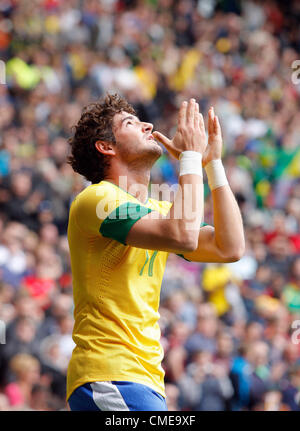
116,291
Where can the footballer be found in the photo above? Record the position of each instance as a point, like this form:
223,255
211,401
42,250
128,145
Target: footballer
119,241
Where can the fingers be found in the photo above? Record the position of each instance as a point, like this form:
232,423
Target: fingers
197,116
162,138
211,116
167,143
198,119
201,124
190,113
182,114
214,127
217,126
190,133
187,113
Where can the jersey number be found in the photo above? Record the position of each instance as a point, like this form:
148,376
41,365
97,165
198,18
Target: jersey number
150,267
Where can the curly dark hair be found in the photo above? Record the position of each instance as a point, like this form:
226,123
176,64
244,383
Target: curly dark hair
95,124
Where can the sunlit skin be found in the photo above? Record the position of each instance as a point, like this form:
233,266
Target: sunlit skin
132,157
136,150
213,150
134,153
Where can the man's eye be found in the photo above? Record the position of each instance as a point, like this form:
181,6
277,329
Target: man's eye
128,122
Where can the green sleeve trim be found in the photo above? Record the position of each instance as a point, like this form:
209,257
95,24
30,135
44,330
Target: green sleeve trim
119,222
150,272
181,255
147,258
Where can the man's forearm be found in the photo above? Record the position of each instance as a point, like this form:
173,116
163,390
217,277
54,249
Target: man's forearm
176,231
186,212
225,241
228,223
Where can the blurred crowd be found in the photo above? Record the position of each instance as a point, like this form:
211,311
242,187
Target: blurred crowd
230,332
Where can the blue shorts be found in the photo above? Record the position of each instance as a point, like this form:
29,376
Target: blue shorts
116,396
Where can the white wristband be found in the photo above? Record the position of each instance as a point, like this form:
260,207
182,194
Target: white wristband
190,163
216,175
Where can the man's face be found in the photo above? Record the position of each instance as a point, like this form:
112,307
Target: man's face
134,139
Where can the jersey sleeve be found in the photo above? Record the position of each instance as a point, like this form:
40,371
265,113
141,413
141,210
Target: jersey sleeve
119,222
110,213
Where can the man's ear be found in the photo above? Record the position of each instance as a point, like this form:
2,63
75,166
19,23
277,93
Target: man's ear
105,147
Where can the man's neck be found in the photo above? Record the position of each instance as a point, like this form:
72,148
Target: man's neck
133,181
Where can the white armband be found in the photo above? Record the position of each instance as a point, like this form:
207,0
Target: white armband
190,163
216,175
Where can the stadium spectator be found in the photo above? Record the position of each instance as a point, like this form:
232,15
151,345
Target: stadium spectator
26,370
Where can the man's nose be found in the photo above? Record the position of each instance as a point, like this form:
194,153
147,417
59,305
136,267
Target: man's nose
147,127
